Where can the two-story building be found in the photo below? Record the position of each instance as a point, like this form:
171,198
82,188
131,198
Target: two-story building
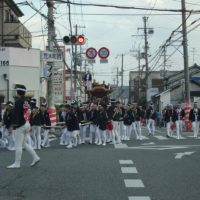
12,32
175,88
137,84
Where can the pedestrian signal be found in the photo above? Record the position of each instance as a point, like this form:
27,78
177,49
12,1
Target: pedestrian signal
74,40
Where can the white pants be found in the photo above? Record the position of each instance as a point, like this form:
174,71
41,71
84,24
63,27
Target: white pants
45,141
3,131
20,142
128,132
93,135
101,137
179,128
135,130
195,128
73,140
151,126
83,129
11,140
138,129
115,133
36,135
169,130
64,139
122,130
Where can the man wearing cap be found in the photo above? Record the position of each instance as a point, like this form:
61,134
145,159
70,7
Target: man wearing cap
64,136
102,122
72,125
116,118
169,120
128,120
36,123
83,120
93,118
46,123
194,117
7,118
151,117
2,111
178,116
22,128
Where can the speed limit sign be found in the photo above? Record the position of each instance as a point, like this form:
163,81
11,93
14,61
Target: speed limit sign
103,53
91,53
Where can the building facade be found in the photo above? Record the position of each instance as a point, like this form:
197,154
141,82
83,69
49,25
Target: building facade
137,84
12,32
175,88
14,71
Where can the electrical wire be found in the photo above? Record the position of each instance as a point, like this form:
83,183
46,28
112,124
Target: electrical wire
123,7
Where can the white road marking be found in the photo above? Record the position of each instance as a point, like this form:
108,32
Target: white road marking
160,137
158,147
180,155
139,198
120,146
136,183
129,170
127,162
144,137
150,143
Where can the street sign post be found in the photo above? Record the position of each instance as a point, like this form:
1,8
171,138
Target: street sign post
91,53
103,53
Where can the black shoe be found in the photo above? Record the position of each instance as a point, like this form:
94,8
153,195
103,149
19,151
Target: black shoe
167,136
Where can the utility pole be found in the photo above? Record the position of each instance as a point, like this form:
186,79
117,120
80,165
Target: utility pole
122,76
117,94
139,73
51,38
146,47
185,53
75,63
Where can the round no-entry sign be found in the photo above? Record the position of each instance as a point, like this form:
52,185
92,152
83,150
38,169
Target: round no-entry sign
91,53
103,53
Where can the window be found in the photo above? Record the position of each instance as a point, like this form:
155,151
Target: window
7,16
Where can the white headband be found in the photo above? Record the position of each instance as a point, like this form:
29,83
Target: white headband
21,89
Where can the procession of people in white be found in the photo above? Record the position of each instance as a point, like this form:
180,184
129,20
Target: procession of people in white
104,124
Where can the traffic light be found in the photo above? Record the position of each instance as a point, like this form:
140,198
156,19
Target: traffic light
47,71
74,40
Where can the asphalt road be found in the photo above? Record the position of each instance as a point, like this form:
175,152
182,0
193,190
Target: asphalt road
91,172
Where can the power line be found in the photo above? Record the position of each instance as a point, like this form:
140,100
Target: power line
124,14
123,7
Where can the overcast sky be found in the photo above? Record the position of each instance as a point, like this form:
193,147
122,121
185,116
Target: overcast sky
115,32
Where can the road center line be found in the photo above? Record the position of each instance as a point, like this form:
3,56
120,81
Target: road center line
133,183
129,170
125,162
139,198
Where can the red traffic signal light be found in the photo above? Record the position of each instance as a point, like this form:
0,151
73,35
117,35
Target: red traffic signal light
81,39
74,40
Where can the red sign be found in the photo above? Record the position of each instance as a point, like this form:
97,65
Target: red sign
103,53
91,53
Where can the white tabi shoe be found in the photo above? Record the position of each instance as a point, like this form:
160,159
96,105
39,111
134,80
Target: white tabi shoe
69,146
35,162
13,166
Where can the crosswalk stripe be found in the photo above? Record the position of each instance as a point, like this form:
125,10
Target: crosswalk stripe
135,183
139,198
159,137
125,162
129,170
